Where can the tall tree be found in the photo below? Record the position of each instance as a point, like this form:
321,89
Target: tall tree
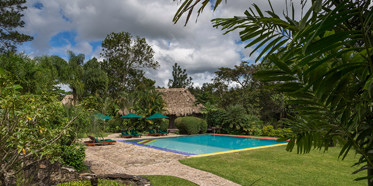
74,74
10,18
95,80
123,54
180,78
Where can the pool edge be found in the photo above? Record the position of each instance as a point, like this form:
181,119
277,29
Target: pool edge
238,150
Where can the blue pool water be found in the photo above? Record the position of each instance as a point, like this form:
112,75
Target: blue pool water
204,144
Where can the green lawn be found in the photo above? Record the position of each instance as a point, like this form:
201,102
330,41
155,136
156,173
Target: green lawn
168,181
275,166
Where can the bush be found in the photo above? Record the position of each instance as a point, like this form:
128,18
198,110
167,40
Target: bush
203,126
215,117
190,125
267,130
74,155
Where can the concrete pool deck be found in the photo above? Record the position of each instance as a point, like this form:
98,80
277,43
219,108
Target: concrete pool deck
137,160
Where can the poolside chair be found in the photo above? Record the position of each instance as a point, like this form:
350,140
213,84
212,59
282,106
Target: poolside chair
160,131
152,133
125,134
135,134
95,141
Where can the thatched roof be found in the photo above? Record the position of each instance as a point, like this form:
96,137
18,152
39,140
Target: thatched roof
180,102
68,100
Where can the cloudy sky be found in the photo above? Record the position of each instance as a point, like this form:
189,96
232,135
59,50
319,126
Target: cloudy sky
80,26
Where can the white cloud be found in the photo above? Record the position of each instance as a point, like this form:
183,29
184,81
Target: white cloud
198,47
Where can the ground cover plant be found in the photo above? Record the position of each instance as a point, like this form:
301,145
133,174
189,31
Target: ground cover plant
275,166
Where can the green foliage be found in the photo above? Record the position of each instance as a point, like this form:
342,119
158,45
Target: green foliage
215,117
122,56
30,125
164,124
180,78
268,130
74,156
190,125
95,80
11,18
323,62
148,103
235,117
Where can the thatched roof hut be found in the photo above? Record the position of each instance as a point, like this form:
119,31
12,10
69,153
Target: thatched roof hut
180,102
68,100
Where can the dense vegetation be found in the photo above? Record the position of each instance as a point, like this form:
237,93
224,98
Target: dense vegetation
313,86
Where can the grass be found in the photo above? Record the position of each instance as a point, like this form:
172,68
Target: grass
275,166
157,180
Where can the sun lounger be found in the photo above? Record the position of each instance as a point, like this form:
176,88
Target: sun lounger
125,134
152,133
95,141
160,131
134,133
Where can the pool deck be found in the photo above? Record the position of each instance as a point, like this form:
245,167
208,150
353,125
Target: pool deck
138,160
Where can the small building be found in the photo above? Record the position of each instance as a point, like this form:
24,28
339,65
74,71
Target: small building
180,102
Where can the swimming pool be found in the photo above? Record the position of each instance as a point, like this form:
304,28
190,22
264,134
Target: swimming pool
202,144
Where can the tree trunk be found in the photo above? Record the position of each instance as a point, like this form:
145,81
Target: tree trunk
74,96
370,173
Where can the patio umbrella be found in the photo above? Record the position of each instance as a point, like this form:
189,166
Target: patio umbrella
131,115
157,116
102,116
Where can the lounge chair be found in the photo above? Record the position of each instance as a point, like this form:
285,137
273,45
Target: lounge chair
95,141
134,133
152,133
125,134
160,131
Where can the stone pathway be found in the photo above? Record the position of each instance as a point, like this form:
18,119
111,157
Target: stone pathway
136,160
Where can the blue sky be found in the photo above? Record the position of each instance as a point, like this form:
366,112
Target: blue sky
80,26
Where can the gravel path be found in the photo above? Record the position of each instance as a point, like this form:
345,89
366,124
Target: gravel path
136,160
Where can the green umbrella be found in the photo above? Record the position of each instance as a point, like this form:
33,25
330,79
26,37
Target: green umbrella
101,116
131,115
157,116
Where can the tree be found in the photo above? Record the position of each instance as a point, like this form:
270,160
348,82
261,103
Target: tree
122,55
326,67
180,78
95,80
10,18
74,74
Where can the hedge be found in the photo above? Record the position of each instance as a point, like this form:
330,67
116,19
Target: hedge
190,125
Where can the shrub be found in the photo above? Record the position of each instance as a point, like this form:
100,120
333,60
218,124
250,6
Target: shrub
190,125
215,117
74,155
203,124
267,130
